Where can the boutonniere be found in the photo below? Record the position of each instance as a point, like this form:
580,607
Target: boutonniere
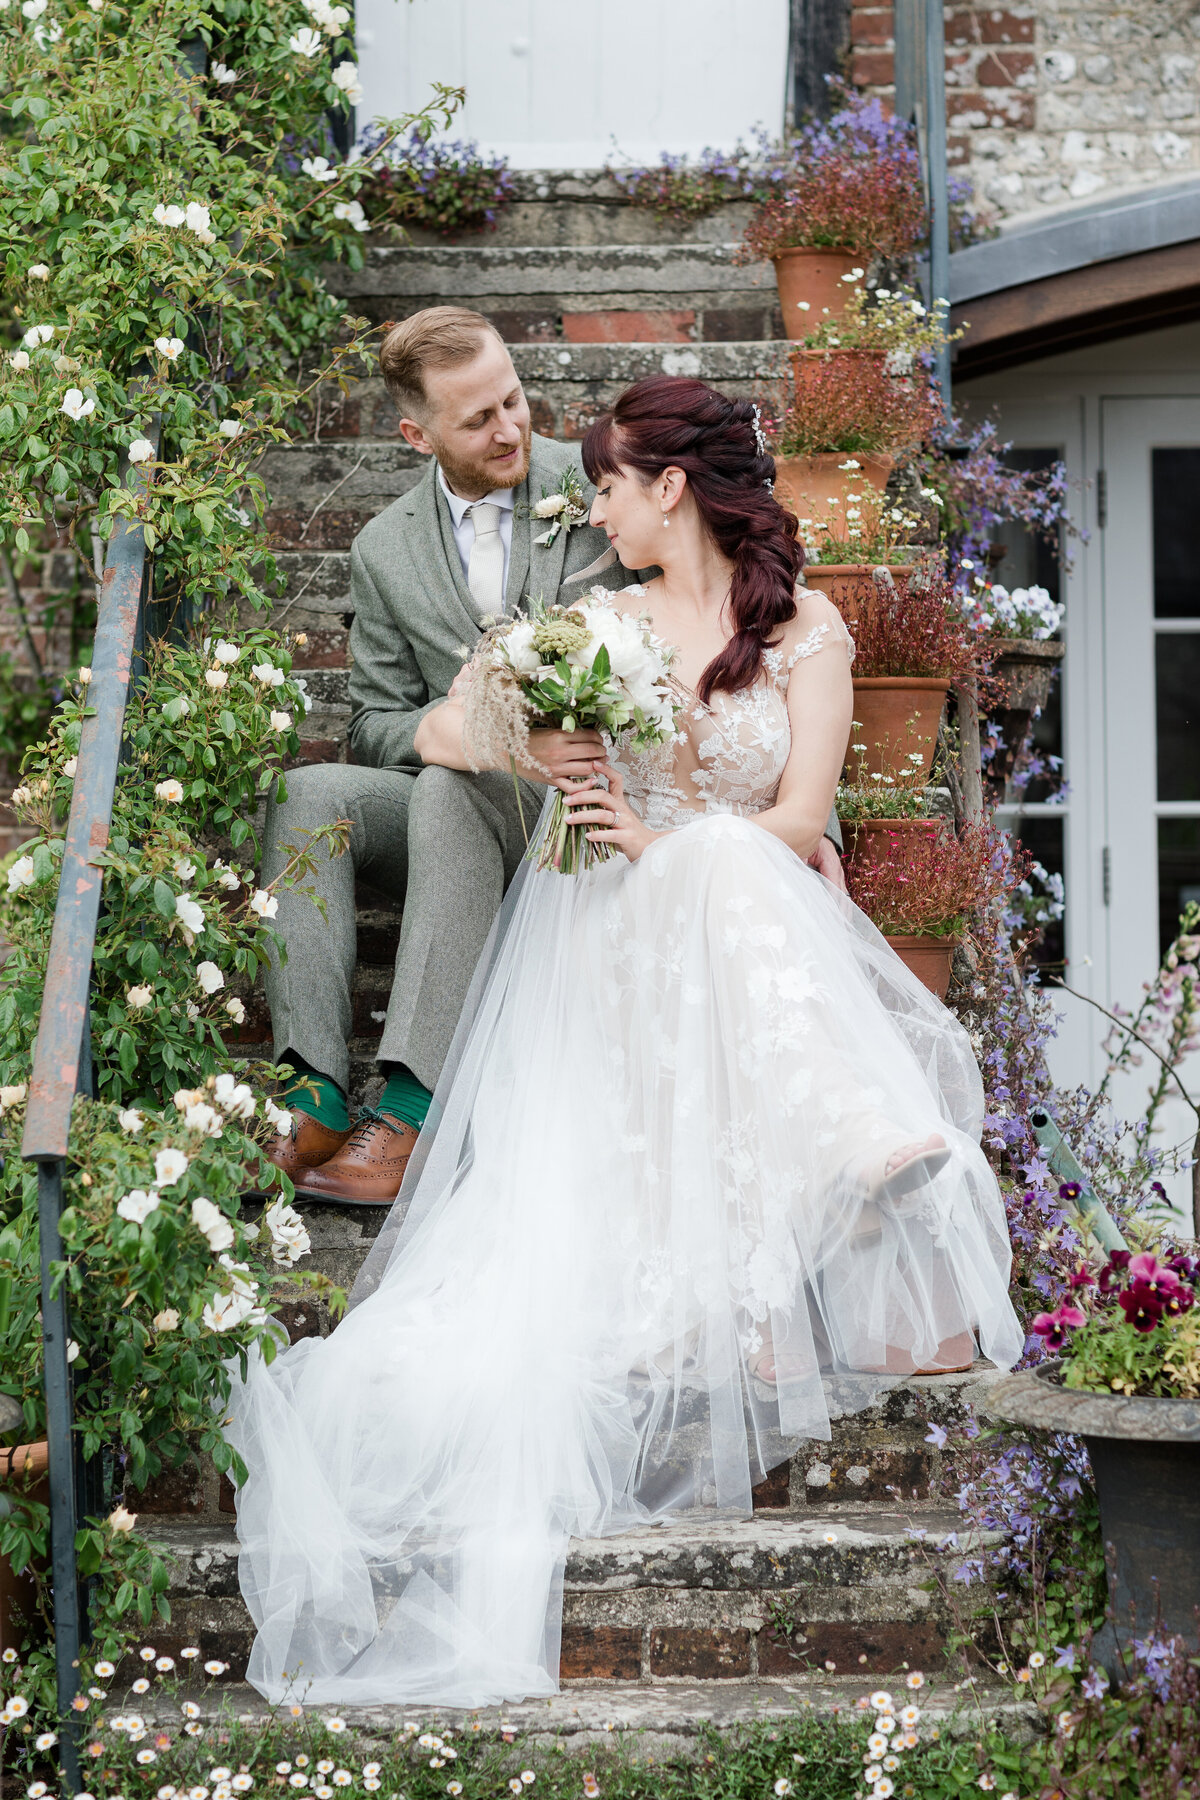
565,505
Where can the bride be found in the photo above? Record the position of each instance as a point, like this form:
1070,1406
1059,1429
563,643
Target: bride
706,1172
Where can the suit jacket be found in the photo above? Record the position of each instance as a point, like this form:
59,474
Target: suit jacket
414,617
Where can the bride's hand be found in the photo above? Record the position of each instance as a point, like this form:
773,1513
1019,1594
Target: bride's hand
608,813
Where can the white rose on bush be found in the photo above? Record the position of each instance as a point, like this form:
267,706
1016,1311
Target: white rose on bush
190,914
305,42
345,76
236,1010
202,1117
138,997
351,211
209,977
224,652
212,1224
231,428
227,877
167,1320
289,1239
172,216
169,1165
37,334
20,874
216,678
168,790
318,167
170,347
279,1117
140,451
268,674
130,1119
264,904
138,1205
234,1097
12,1096
281,721
19,359
75,406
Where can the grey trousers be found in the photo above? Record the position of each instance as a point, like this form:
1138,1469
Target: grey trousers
446,845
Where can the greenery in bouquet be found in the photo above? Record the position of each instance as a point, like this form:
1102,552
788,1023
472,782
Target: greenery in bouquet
848,401
1131,1329
850,182
943,884
436,186
1025,612
585,666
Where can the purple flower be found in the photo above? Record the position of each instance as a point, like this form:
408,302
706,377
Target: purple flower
1095,1685
936,1436
1064,1657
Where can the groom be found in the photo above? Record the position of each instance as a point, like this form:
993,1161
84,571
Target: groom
458,547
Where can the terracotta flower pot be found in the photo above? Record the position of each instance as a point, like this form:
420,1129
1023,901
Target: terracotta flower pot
929,959
853,587
897,718
1027,666
885,840
813,486
809,281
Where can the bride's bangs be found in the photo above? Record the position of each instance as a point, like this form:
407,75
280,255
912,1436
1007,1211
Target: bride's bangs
601,452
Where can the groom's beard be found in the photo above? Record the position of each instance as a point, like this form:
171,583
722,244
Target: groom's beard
484,476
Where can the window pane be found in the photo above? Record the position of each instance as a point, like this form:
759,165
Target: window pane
1024,558
1178,873
1043,838
1177,660
1176,481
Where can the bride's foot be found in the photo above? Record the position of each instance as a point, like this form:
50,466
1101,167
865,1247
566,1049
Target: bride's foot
765,1366
909,1166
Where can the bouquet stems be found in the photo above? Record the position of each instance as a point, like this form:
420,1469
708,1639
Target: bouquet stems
565,847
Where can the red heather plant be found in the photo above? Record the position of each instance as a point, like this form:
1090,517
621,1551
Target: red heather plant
853,183
847,401
939,885
916,630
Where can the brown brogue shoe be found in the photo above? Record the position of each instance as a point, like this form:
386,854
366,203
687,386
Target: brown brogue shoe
368,1169
306,1146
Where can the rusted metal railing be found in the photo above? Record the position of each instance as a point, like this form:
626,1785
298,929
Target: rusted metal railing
62,1065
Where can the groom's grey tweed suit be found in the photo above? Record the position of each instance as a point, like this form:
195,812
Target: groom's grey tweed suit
445,843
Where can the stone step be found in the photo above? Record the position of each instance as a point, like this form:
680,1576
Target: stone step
585,207
703,1597
651,1721
613,292
350,443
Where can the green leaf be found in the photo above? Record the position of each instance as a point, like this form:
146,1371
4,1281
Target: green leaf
123,1597
151,961
164,899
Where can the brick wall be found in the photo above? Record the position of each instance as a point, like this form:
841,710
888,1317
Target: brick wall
1055,102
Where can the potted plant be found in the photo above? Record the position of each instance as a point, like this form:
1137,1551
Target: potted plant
911,645
1125,1377
1025,654
850,192
922,886
859,390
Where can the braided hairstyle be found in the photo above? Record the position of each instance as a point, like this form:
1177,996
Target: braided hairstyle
671,421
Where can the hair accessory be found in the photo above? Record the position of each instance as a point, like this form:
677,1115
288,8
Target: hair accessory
759,438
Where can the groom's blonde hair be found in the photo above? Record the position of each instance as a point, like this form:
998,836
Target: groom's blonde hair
440,337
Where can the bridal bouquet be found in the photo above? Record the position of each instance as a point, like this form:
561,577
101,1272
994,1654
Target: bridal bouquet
585,666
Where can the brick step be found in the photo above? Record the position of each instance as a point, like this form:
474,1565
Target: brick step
664,292
670,1718
702,1598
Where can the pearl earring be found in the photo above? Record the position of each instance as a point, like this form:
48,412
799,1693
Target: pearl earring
666,520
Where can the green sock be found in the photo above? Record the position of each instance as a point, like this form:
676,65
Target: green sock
324,1101
404,1099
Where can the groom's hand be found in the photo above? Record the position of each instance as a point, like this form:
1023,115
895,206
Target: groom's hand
568,755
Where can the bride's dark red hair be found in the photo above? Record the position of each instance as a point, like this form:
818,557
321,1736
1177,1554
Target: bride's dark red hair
671,421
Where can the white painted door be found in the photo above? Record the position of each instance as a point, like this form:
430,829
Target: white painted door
551,86
1150,455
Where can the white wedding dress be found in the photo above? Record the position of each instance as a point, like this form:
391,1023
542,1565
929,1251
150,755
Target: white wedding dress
670,1080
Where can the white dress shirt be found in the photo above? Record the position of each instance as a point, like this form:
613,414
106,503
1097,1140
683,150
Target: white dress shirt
464,528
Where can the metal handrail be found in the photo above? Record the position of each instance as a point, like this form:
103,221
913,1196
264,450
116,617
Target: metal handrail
62,1061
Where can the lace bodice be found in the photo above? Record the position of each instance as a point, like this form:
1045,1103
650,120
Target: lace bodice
728,756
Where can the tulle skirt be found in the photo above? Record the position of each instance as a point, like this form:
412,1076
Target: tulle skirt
654,1154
